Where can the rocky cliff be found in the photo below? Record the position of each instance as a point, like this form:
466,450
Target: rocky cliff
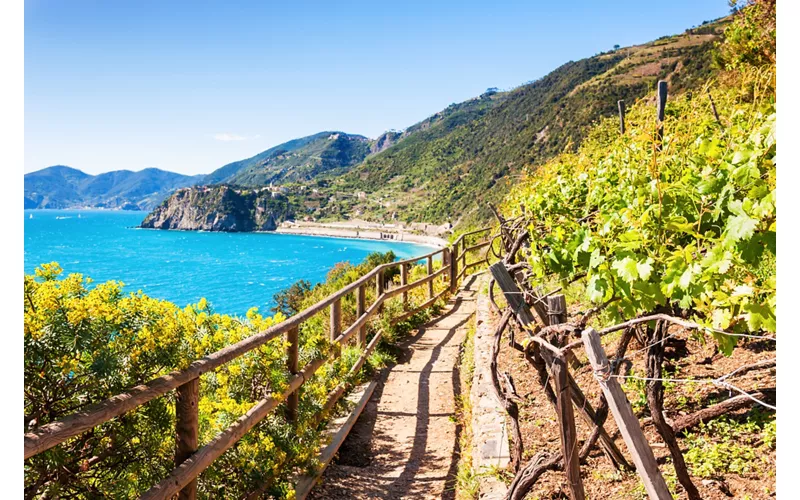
220,208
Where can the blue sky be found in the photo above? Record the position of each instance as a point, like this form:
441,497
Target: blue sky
190,86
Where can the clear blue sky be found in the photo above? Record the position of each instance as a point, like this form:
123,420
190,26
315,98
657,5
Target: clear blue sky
190,86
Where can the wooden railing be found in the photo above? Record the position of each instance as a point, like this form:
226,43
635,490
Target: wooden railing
191,461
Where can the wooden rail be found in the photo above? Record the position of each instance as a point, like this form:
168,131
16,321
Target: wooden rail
191,461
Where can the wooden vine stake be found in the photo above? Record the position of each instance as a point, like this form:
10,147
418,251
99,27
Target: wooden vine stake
627,422
566,419
661,103
621,106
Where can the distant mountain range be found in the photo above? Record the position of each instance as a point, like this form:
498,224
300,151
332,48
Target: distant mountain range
297,160
65,187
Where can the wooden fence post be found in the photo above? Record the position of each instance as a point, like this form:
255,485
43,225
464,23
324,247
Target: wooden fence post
661,104
557,309
430,271
464,255
446,263
621,106
566,419
404,282
454,269
379,288
627,422
360,300
292,355
186,430
336,319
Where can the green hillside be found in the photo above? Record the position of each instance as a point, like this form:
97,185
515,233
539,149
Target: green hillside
456,161
298,160
448,166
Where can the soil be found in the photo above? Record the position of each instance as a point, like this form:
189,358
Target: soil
685,357
405,443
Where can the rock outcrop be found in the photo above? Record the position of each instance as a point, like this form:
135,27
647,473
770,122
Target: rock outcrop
220,208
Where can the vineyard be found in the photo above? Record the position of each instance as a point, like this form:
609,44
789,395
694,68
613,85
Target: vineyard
642,269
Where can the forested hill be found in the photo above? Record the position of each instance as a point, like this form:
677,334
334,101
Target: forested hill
297,160
470,153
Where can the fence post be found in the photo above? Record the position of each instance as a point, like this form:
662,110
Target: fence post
557,309
186,429
566,419
430,271
454,269
404,282
446,263
362,332
661,104
292,355
464,256
627,422
379,288
621,106
336,319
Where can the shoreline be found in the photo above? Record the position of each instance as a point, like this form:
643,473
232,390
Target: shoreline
323,232
359,234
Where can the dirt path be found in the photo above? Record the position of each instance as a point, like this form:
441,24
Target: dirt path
405,444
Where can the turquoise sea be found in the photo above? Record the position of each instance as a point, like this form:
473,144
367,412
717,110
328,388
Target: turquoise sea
233,271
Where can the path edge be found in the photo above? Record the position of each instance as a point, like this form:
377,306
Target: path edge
490,438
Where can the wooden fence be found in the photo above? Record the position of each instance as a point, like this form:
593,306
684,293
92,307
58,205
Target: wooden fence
190,460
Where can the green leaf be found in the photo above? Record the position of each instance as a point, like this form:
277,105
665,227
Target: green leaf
597,288
686,278
626,269
645,268
596,259
739,227
760,316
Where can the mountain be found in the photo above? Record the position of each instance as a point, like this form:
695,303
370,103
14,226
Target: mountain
470,153
297,160
65,187
220,208
449,166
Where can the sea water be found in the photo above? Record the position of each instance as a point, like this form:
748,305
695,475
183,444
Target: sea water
233,271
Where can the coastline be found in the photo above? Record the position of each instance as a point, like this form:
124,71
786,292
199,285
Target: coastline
355,232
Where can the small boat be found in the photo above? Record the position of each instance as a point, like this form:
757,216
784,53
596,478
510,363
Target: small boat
31,216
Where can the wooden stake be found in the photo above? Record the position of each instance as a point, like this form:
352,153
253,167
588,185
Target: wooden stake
292,355
627,422
186,429
557,309
454,269
621,106
404,282
379,288
714,108
661,104
430,271
336,319
566,420
360,307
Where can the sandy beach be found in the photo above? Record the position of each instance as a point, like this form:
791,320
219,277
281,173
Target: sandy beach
361,230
